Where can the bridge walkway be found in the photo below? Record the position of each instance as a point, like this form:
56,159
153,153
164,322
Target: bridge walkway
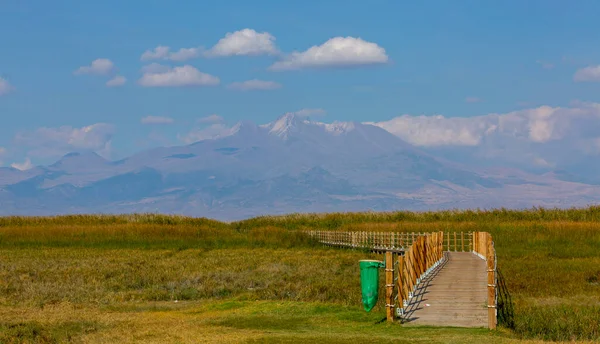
454,294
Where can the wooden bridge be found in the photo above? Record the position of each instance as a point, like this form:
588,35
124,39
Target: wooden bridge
439,279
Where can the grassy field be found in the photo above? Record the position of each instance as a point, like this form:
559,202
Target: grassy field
149,278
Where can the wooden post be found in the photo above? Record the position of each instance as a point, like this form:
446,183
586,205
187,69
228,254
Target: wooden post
441,245
448,236
491,283
462,241
389,286
455,242
484,243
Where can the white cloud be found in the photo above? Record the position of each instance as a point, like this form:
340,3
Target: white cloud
155,68
116,81
214,118
98,67
533,138
310,112
160,52
52,142
5,87
211,132
164,53
338,51
244,42
157,120
26,165
435,130
184,54
255,84
591,73
178,76
472,100
543,124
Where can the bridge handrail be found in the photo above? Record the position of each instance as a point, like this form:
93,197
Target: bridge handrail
390,241
421,258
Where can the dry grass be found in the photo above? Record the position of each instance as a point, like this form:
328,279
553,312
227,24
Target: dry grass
221,322
102,278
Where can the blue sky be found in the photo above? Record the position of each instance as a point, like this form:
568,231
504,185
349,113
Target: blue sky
456,58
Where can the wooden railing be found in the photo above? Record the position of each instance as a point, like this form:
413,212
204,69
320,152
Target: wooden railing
392,241
421,258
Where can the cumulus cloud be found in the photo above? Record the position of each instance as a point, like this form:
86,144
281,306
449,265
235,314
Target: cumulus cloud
591,73
244,42
310,112
164,53
157,120
336,52
52,142
214,118
160,52
535,138
26,165
5,87
116,81
98,67
213,131
178,76
537,125
255,84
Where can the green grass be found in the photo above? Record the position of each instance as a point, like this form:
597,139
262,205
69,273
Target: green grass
95,277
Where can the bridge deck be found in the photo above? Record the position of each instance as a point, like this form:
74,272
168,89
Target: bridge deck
454,295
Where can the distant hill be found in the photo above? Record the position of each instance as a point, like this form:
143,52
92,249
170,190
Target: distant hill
290,165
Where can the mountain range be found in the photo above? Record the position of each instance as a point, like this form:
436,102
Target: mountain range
290,165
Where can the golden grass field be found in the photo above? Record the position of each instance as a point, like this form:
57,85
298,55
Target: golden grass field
162,279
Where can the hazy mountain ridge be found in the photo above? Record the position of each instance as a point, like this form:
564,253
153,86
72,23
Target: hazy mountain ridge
289,165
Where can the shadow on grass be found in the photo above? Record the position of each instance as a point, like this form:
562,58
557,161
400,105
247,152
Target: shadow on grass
506,310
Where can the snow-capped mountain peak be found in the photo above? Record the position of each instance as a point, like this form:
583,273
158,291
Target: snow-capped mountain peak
286,124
